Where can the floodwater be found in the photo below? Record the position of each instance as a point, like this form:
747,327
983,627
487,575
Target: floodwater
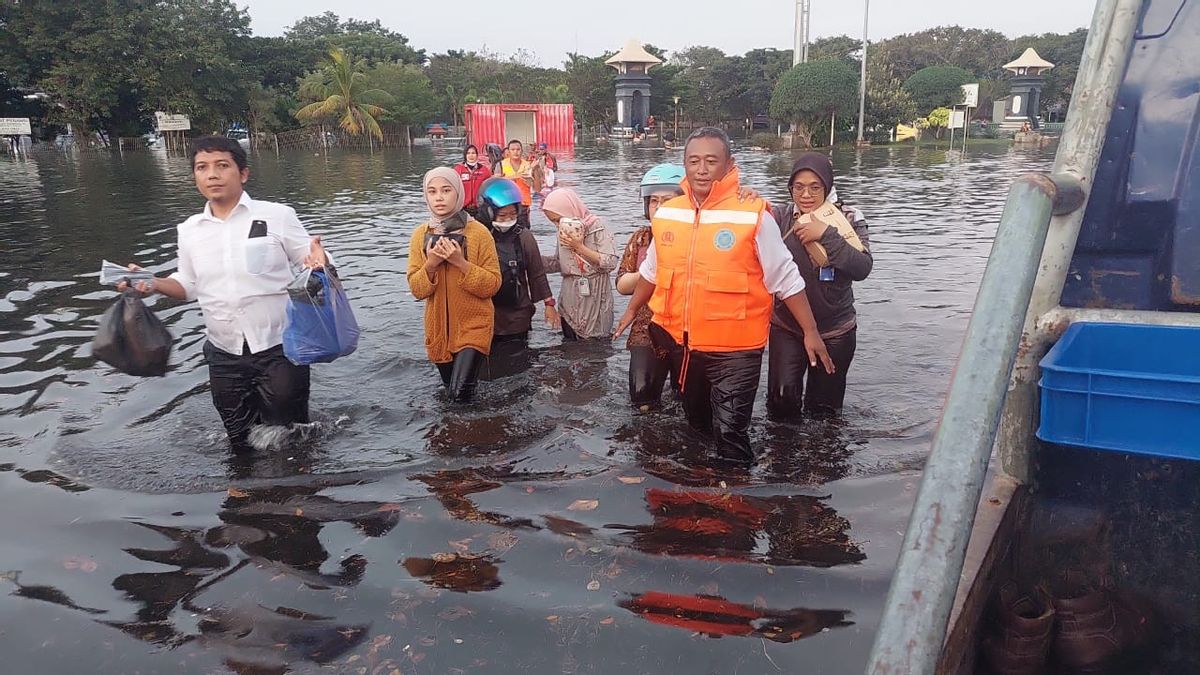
548,528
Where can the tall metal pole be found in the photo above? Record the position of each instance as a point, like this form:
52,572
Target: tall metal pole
1020,284
800,48
862,80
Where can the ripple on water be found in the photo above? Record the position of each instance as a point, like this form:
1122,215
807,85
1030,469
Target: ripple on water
546,528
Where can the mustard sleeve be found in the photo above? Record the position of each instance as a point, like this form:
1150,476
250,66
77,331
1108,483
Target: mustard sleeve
483,277
418,281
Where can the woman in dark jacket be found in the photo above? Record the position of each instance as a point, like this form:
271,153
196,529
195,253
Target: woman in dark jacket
830,292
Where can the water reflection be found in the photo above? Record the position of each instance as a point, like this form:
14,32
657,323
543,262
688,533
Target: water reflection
715,616
253,639
723,526
399,515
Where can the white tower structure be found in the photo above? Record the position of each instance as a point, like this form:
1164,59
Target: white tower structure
800,49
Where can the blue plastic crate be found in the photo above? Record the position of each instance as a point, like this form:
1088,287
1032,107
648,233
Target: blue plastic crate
1129,388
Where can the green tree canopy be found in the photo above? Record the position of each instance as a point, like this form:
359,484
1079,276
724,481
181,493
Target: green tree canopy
810,93
341,91
937,86
592,87
840,47
888,104
369,41
413,102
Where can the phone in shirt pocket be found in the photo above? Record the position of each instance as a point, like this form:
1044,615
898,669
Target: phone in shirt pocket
258,247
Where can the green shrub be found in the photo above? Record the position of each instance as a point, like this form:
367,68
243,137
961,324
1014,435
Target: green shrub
766,140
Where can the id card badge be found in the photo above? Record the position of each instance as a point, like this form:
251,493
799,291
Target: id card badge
826,274
585,288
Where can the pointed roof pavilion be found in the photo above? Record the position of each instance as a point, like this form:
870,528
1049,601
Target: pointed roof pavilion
633,54
1029,63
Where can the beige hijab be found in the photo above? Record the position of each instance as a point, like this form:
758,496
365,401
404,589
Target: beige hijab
457,220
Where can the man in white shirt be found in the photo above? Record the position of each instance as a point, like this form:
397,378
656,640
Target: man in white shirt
711,278
236,259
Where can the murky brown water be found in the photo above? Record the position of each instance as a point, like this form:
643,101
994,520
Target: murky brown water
402,533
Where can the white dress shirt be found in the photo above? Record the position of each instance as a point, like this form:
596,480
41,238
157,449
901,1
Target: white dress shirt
780,274
241,307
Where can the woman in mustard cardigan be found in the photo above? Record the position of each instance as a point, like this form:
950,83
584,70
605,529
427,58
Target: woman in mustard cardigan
452,266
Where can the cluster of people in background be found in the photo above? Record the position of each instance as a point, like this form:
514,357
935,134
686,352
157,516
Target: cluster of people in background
716,276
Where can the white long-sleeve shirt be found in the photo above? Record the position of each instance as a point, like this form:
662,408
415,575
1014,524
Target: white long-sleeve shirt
241,305
780,274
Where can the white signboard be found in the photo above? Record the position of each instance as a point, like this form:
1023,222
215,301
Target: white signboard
970,95
958,119
172,122
15,126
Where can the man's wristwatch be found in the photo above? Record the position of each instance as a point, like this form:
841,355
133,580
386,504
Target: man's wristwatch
550,302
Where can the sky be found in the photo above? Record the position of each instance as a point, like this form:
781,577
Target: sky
550,29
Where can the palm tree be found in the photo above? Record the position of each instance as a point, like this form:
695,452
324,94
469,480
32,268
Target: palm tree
341,92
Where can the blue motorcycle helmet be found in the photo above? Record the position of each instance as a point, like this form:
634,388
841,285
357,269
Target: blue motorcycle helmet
664,178
495,194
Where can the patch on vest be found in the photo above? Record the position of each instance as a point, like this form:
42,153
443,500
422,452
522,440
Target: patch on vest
723,240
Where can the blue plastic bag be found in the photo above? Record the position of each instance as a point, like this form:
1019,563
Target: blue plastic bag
320,324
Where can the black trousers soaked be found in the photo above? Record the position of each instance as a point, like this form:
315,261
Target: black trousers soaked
251,389
787,369
647,375
718,392
510,356
461,376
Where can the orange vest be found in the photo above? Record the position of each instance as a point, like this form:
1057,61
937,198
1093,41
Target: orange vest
709,283
506,168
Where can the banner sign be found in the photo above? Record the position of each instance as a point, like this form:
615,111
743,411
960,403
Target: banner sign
15,126
172,122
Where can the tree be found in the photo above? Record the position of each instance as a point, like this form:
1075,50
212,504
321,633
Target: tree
937,86
367,40
413,102
840,47
980,52
452,76
556,93
343,93
812,92
315,27
279,62
198,72
262,111
110,65
592,87
702,70
937,120
888,104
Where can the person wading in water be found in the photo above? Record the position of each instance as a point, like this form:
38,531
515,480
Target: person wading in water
236,259
711,278
452,267
830,257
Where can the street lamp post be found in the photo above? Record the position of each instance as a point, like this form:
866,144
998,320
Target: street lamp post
676,118
862,80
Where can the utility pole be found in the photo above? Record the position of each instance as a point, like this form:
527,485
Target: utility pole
862,80
800,48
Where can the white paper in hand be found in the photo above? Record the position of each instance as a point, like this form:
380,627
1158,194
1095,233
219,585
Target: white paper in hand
112,274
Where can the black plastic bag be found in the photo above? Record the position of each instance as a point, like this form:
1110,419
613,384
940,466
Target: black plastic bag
132,339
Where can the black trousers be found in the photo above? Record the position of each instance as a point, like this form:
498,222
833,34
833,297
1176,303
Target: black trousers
251,389
787,368
461,376
719,389
647,375
510,356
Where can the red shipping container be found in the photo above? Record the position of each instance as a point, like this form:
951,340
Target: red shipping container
530,123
